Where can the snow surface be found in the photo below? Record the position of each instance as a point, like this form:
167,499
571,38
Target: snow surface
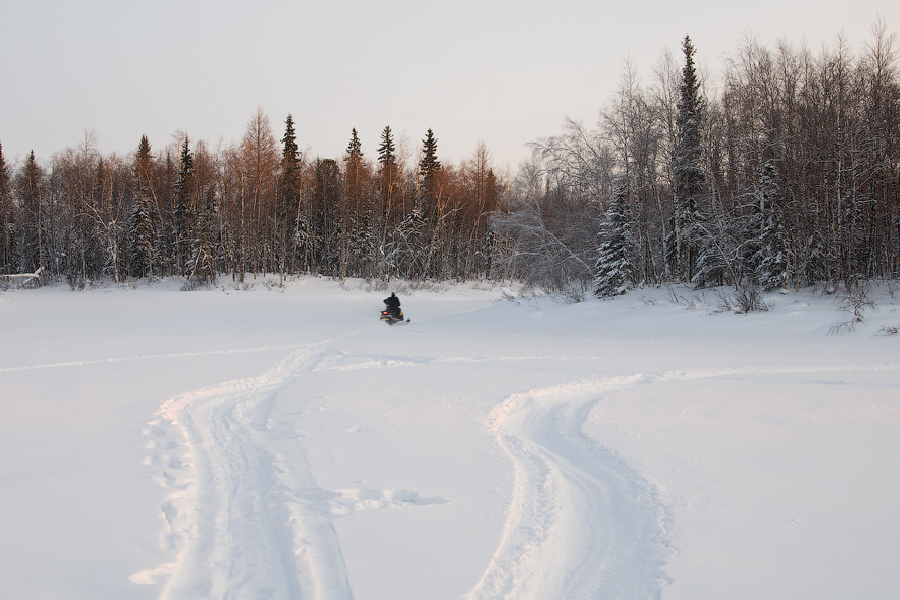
284,443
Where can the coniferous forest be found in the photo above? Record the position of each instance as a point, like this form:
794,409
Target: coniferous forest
780,170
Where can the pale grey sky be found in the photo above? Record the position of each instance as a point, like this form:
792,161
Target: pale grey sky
500,71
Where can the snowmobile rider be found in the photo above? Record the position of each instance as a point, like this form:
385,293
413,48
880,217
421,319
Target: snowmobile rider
393,305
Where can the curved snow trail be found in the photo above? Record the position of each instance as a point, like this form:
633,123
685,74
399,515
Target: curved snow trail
241,532
582,524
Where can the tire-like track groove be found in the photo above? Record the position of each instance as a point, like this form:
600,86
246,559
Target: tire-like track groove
582,523
242,525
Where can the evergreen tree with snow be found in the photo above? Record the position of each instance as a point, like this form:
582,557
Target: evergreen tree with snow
812,262
614,268
300,242
183,209
143,219
287,210
688,170
390,207
359,236
771,268
201,266
30,235
141,238
715,253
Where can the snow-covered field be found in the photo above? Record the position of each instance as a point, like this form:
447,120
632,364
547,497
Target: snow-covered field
283,443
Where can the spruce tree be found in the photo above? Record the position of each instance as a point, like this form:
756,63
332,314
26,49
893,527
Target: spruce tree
390,199
358,233
614,268
290,162
142,219
688,169
289,197
387,168
771,268
142,166
353,173
715,254
141,238
386,151
429,167
354,147
201,267
164,200
31,238
183,209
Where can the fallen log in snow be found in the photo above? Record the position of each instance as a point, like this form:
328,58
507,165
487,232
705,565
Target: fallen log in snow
27,276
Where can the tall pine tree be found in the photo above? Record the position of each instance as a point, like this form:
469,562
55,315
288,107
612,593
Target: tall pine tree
388,170
290,164
390,197
354,174
429,167
688,170
142,220
359,235
184,217
288,216
31,231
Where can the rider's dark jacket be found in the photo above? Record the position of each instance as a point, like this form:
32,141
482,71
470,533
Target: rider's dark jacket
393,304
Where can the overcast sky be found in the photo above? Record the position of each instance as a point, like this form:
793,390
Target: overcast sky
505,72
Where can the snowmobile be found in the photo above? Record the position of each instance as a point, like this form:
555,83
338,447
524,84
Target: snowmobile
391,318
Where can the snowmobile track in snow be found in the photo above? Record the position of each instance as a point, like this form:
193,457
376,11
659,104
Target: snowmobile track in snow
244,527
578,512
239,531
581,522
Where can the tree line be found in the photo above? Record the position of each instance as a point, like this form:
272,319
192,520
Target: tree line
786,172
252,207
